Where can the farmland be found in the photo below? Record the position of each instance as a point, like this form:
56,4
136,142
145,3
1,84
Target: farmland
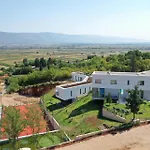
64,52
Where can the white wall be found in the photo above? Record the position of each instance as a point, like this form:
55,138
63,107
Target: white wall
76,76
147,95
122,83
65,93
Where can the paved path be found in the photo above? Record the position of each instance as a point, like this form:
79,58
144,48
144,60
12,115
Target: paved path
135,139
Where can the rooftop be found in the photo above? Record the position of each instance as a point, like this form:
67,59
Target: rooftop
78,72
144,73
77,83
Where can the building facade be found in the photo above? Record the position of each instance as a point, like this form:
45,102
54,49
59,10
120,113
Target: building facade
78,76
72,91
117,84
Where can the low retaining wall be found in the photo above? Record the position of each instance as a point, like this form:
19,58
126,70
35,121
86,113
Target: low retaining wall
112,116
88,136
50,118
1,109
26,136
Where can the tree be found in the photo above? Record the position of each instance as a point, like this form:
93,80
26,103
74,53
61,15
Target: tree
37,62
25,62
43,62
49,62
108,98
134,100
34,116
41,67
13,124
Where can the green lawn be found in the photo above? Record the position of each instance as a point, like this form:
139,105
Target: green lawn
46,140
143,114
80,117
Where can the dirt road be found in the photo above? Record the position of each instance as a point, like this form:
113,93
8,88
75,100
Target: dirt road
16,99
135,139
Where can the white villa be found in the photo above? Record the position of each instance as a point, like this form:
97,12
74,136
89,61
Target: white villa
102,82
117,84
71,91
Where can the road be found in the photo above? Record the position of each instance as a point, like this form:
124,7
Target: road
134,139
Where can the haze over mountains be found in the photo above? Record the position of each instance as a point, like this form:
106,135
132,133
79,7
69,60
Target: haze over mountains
48,38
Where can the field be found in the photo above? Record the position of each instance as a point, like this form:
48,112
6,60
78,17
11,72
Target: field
80,117
68,52
8,57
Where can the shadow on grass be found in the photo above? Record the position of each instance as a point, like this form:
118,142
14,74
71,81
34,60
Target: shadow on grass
59,105
90,106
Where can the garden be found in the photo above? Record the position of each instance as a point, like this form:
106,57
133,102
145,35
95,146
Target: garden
81,117
123,111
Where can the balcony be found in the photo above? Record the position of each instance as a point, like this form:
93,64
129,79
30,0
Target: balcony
97,96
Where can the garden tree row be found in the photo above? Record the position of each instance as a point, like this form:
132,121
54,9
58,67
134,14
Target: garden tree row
130,61
14,83
134,61
15,121
39,62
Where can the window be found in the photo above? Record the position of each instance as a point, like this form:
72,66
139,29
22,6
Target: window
128,82
57,93
89,88
98,81
75,78
113,81
85,90
142,93
80,91
121,91
70,93
141,83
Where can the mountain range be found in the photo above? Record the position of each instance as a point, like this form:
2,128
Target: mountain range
48,38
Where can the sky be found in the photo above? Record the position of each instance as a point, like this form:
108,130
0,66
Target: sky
123,18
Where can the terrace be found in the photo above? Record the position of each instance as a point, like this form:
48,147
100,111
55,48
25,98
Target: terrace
77,83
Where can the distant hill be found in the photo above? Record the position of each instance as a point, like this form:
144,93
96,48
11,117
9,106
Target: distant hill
48,38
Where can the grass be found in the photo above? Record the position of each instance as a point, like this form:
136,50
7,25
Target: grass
80,117
45,140
143,114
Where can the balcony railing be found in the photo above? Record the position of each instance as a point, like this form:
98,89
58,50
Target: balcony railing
97,96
